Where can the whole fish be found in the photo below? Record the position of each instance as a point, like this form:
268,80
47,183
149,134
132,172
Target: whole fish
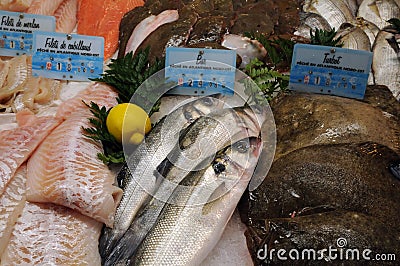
137,177
187,230
353,37
378,11
386,64
220,128
310,22
307,119
352,177
335,12
368,27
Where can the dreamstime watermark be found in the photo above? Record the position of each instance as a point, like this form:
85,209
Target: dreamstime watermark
339,252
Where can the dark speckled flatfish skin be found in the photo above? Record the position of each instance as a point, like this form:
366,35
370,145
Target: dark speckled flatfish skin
322,230
307,119
353,177
316,194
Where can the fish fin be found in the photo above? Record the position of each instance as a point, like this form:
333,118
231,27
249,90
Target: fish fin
394,44
220,191
164,167
395,169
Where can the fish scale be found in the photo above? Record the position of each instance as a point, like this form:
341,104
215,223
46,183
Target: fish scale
335,12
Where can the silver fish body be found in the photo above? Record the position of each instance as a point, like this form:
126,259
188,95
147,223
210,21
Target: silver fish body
198,145
352,5
353,37
137,176
368,27
310,22
204,202
336,12
386,64
379,11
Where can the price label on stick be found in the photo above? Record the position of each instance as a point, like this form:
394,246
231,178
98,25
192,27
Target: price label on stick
201,71
330,70
16,31
67,56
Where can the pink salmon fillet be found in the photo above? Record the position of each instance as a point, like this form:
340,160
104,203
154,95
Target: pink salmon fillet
16,145
47,234
12,203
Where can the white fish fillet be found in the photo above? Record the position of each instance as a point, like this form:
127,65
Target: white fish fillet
99,93
19,71
47,234
11,204
16,145
147,26
73,176
15,5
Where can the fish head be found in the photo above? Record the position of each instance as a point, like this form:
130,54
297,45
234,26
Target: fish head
231,171
251,118
235,165
202,107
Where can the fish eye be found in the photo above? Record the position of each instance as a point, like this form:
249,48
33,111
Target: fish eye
188,115
219,167
242,146
207,101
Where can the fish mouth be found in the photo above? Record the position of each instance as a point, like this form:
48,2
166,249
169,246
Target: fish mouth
251,120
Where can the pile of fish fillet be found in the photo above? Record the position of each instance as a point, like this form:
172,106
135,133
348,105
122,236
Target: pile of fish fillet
334,169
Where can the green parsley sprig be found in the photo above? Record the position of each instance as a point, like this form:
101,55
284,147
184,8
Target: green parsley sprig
325,38
126,74
113,151
265,82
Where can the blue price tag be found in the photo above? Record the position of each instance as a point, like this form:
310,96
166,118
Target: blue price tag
16,31
67,56
200,71
330,70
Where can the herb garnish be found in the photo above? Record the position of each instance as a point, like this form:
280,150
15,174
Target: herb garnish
113,152
325,38
265,82
126,74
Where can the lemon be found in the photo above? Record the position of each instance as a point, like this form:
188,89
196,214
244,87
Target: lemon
128,122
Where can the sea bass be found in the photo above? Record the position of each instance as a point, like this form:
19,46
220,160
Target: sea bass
138,171
203,204
197,146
